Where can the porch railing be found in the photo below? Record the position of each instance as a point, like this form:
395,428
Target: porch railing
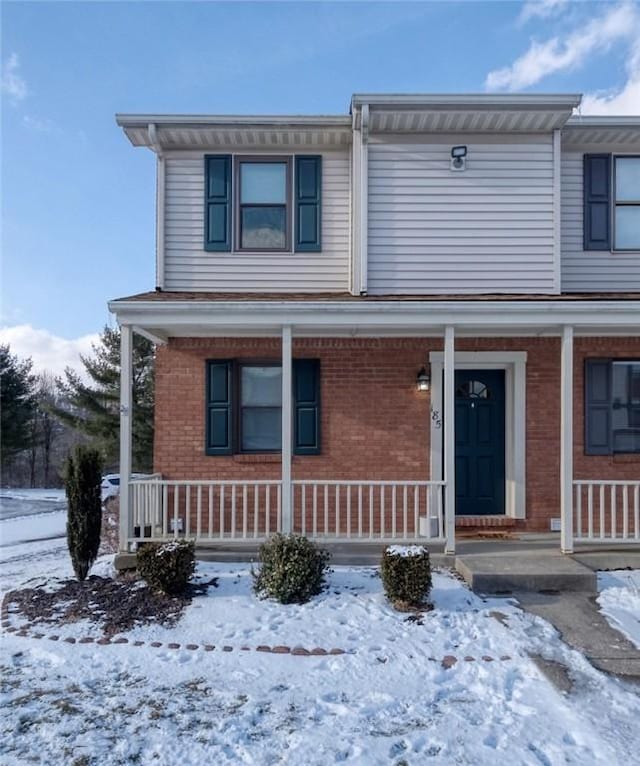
606,511
237,511
368,510
205,510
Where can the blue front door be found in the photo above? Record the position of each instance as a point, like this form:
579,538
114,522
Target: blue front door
480,448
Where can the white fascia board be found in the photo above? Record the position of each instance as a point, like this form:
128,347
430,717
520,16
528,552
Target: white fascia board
467,100
379,314
200,120
603,121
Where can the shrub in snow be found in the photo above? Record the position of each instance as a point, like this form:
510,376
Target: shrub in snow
406,575
167,566
82,479
292,569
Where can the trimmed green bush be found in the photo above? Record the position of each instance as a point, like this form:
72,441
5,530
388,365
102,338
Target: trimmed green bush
292,569
82,479
167,566
406,575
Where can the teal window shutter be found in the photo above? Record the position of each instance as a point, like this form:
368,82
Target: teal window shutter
308,213
217,202
306,404
597,414
219,404
597,201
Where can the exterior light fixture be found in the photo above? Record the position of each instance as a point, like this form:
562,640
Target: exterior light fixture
423,381
458,158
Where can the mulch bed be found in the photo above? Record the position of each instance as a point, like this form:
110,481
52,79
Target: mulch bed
115,605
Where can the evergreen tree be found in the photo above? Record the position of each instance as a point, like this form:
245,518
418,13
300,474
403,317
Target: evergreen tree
93,407
83,476
17,404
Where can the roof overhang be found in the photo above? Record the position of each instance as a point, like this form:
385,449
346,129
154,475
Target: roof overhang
465,113
375,318
197,131
602,130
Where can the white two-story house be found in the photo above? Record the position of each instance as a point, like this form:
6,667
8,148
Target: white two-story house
385,325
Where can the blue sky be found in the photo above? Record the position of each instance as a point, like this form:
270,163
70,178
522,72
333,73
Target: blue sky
77,202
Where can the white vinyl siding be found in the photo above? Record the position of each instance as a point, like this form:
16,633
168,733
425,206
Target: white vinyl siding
188,266
594,270
487,229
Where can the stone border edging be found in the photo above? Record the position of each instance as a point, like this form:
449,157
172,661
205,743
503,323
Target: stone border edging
27,631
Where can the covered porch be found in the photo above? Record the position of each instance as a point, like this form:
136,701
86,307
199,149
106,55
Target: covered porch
364,508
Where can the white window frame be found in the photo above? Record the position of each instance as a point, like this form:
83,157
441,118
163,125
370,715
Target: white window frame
614,203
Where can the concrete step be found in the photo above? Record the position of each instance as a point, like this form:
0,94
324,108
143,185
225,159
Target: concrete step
506,573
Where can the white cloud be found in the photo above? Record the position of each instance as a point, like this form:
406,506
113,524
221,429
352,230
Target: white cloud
48,351
12,83
624,100
541,9
557,54
37,124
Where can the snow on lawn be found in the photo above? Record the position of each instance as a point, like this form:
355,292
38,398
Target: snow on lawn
31,514
388,701
619,601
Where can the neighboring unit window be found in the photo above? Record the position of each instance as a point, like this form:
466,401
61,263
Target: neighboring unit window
612,406
263,201
627,203
260,408
625,415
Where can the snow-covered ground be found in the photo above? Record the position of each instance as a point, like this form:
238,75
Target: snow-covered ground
619,601
31,514
388,700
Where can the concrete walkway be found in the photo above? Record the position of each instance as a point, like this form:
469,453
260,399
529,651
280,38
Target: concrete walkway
581,625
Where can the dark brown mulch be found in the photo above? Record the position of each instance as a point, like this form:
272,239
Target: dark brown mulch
114,605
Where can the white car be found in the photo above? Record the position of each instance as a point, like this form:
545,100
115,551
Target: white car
110,486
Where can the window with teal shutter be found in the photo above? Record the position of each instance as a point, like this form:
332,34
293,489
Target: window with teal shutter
308,192
244,412
306,397
217,203
597,201
219,408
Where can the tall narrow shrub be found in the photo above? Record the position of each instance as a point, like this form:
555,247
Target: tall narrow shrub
83,476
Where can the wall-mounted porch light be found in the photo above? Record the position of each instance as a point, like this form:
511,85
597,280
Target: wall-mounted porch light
423,380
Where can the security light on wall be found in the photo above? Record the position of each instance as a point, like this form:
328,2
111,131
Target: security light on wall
459,158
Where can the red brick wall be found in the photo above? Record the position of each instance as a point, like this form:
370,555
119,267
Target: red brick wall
375,425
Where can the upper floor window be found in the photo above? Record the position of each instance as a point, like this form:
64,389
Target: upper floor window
263,203
263,220
627,203
611,202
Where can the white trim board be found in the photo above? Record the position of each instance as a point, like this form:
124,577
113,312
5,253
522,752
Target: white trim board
514,364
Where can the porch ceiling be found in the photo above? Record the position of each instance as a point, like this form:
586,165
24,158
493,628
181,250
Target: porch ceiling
172,317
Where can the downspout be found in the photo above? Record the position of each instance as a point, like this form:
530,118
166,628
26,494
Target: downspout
364,197
160,204
356,156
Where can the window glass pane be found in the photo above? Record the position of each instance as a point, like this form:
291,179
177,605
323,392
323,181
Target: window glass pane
628,227
261,428
261,386
625,415
627,179
263,182
264,228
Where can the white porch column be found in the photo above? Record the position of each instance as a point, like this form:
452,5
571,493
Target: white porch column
449,440
566,441
287,520
126,379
